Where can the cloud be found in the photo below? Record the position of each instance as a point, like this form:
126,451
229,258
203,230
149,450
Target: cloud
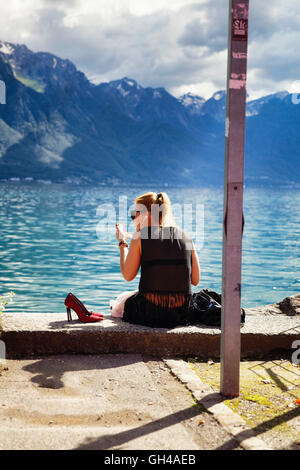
208,27
180,45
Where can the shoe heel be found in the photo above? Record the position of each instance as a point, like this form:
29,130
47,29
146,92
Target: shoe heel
69,314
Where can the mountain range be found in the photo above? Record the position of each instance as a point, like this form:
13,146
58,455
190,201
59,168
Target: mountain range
58,126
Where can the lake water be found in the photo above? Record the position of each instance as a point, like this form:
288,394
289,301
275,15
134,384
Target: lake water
51,243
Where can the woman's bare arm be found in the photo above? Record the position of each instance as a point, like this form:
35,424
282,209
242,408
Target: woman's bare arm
195,277
130,259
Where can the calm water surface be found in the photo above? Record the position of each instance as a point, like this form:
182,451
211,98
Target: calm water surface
51,243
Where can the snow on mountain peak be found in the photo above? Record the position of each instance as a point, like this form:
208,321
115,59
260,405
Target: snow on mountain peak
192,102
254,106
6,48
189,99
219,95
121,90
281,94
125,86
130,82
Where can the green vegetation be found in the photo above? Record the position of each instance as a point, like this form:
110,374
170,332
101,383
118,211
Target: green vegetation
34,84
3,369
267,401
5,299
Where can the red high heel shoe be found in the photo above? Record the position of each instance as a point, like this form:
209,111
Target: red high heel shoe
83,307
71,302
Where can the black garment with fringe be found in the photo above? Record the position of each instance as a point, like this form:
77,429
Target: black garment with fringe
202,308
165,283
165,298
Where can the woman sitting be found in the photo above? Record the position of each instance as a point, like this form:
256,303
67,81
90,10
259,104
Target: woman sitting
169,265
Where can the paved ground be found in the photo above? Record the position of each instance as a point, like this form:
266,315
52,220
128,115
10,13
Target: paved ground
102,402
124,401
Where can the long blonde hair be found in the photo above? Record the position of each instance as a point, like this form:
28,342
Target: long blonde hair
166,217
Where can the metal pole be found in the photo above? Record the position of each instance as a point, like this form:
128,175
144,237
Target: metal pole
233,196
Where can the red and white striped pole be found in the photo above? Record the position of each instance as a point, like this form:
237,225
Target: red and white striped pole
233,196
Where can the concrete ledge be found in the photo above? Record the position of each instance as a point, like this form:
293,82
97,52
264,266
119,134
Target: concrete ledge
45,334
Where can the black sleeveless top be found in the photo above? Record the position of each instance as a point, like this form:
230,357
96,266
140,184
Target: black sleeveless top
166,260
165,283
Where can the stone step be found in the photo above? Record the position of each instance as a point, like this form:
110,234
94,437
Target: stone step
44,334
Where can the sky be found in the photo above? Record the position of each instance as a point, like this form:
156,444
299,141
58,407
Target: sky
180,45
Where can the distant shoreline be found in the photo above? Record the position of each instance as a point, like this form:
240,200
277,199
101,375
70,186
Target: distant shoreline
124,184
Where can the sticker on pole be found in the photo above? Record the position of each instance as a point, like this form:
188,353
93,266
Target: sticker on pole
240,22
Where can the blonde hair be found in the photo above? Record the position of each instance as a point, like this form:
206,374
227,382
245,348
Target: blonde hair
162,199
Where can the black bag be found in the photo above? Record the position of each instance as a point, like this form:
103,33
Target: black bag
205,308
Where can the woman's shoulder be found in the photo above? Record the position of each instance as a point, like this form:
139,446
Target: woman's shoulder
184,238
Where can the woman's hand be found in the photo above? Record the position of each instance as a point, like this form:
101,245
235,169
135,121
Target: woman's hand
121,234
